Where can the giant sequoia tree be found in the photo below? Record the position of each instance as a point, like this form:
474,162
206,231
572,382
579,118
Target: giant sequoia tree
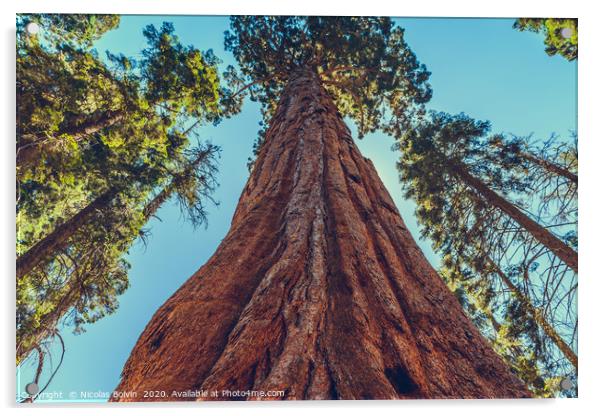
319,289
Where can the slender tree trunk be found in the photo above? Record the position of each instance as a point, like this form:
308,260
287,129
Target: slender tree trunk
550,167
50,320
545,237
48,323
58,239
318,290
543,163
537,315
29,150
153,206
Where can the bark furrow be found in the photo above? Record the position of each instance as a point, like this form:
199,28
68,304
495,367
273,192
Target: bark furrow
318,290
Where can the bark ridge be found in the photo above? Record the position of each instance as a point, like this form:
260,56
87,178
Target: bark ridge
319,289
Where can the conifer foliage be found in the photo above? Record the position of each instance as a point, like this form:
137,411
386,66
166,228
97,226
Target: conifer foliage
502,212
561,35
365,63
101,144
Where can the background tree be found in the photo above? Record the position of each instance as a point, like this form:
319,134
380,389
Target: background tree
561,35
511,333
95,140
171,81
81,283
77,30
177,83
45,95
510,274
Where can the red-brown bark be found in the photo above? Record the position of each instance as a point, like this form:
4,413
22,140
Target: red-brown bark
318,289
541,234
551,167
58,239
537,315
29,150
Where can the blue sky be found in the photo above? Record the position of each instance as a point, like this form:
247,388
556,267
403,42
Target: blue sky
481,67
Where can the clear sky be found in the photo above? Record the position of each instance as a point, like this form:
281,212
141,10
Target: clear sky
481,67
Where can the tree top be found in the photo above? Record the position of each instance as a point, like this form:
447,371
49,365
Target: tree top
364,62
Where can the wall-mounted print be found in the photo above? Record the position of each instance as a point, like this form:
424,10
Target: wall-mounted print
220,208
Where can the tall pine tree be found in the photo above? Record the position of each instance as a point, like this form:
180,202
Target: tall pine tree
505,226
95,140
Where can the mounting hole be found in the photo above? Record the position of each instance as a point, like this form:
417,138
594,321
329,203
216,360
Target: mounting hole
32,28
566,384
566,32
32,389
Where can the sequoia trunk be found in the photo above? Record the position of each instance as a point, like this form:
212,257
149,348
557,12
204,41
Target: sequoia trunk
318,290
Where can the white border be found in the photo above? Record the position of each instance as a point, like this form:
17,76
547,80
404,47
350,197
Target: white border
462,8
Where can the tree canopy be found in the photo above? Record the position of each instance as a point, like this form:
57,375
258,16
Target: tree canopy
364,62
77,30
561,35
513,285
101,144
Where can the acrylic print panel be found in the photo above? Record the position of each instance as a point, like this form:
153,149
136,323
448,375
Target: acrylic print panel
293,208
